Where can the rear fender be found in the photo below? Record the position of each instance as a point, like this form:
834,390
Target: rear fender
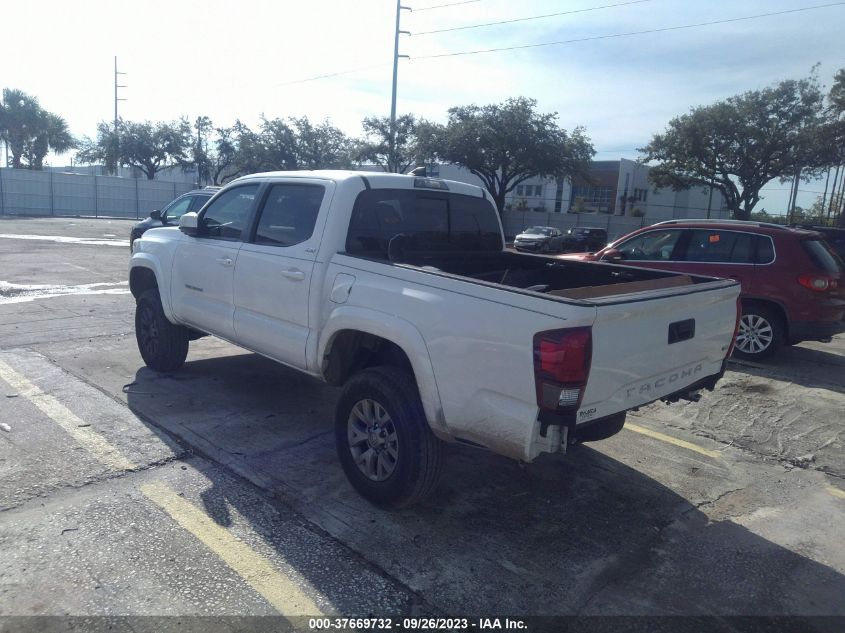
402,333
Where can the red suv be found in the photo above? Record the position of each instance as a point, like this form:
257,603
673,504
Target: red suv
793,283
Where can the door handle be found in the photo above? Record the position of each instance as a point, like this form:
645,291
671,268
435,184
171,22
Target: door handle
225,261
293,273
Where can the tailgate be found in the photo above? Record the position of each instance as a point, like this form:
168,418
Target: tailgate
647,348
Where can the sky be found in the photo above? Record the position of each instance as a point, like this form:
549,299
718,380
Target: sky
245,59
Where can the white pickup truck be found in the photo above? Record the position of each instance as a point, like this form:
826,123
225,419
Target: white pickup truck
401,290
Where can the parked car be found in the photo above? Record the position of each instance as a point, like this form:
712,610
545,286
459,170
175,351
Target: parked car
169,215
834,236
793,283
400,290
583,238
541,239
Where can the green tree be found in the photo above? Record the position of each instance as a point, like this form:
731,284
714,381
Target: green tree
376,146
506,144
836,97
105,149
201,153
30,131
147,146
740,144
321,146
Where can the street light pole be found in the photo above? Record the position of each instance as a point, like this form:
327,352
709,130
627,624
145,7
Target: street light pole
396,57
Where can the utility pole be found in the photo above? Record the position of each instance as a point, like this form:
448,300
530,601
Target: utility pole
115,139
116,86
710,199
396,57
793,196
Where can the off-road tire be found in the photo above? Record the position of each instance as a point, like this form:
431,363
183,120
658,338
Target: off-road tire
420,454
163,345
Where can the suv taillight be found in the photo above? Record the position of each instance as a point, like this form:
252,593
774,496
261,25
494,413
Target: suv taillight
817,282
561,367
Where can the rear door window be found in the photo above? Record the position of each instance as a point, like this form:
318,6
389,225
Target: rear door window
720,247
823,256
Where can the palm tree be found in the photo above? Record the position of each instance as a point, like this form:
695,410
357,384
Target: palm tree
55,136
30,131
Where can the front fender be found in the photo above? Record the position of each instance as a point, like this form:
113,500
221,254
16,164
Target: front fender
152,263
404,334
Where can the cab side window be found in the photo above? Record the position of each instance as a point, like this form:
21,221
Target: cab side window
651,246
721,247
227,216
289,214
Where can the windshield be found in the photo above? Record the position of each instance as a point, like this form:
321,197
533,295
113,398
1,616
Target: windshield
538,230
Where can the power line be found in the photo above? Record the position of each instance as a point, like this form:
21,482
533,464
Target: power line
443,6
534,17
329,75
560,42
614,35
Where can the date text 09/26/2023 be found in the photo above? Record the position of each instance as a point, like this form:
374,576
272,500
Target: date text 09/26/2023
416,624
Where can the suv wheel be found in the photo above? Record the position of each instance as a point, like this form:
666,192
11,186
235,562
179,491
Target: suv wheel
761,332
163,345
384,443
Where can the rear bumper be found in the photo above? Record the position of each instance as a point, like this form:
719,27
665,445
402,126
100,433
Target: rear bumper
569,420
814,330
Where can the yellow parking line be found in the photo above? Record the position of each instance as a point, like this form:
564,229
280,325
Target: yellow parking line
671,440
259,573
836,492
74,426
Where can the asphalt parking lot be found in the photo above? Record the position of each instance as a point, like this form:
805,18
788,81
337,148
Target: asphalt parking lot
216,490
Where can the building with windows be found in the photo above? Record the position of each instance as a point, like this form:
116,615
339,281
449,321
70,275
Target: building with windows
621,187
614,187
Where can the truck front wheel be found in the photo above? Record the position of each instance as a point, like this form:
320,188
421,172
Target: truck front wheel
163,345
384,443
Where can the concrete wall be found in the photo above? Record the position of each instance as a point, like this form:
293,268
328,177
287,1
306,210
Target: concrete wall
38,193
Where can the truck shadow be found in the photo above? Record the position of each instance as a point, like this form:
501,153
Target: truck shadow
583,534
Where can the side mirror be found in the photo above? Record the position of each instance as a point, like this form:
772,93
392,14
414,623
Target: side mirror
611,255
188,224
155,214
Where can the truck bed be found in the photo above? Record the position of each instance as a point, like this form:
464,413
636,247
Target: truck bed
548,275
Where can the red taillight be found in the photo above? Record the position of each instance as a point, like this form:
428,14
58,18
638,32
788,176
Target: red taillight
561,367
819,283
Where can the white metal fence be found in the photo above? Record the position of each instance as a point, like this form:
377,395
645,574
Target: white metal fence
45,193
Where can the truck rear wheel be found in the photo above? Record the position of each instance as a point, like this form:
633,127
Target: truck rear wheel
163,345
384,443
